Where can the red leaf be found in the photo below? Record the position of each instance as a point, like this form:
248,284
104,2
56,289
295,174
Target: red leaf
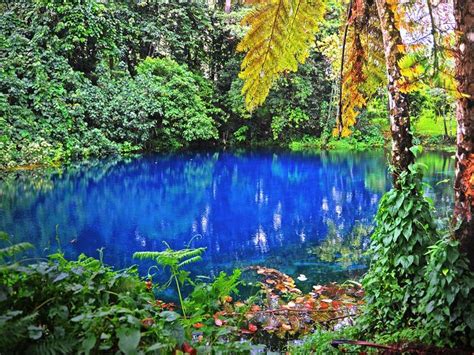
188,349
147,322
252,327
245,331
228,299
323,305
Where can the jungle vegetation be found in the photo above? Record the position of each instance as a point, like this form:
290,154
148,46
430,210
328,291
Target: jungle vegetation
83,79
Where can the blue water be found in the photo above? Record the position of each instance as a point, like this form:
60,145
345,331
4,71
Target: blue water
304,214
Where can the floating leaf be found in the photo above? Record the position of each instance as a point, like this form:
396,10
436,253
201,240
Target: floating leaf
302,278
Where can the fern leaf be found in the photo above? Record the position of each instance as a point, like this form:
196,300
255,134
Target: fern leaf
14,250
52,345
190,261
170,257
13,328
280,35
188,253
365,70
143,255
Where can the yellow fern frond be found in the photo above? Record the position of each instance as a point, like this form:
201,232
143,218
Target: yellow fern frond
280,36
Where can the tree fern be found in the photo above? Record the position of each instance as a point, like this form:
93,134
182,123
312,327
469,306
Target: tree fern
418,71
175,260
429,58
280,35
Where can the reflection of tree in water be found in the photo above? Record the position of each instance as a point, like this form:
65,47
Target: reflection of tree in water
347,250
376,180
79,197
439,174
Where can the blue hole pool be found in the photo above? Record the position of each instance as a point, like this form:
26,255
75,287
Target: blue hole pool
301,213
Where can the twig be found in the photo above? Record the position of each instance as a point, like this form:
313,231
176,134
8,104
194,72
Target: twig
340,317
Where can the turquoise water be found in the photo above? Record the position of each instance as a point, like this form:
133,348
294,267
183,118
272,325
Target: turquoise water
304,214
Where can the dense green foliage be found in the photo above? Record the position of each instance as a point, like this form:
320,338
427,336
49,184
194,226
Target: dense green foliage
60,306
69,306
85,78
418,283
76,81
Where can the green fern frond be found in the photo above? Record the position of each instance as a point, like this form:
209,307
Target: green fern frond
13,328
170,257
13,250
143,255
280,36
188,253
190,261
418,71
51,346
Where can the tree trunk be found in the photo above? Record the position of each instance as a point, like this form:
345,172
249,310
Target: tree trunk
464,176
402,157
445,124
227,6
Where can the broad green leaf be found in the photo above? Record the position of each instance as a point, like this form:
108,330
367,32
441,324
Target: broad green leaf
88,343
169,316
35,332
129,338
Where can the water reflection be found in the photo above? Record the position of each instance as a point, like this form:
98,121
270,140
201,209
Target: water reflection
253,207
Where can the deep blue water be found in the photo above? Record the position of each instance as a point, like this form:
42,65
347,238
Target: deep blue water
304,214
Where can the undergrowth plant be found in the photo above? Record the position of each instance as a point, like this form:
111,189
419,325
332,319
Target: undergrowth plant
174,260
447,306
82,306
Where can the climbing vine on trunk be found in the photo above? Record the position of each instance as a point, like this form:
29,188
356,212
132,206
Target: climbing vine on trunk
402,156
